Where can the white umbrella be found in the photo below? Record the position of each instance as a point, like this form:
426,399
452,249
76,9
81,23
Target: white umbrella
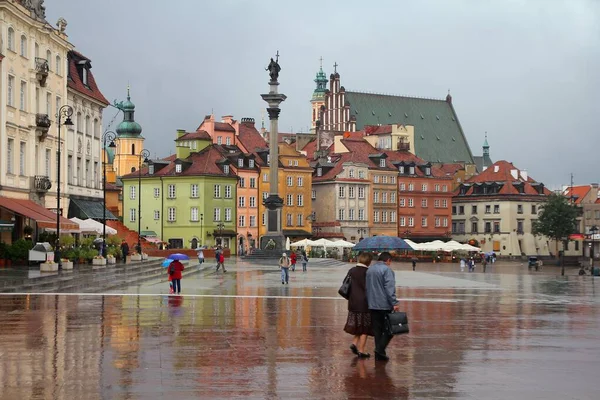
321,242
301,243
287,243
343,244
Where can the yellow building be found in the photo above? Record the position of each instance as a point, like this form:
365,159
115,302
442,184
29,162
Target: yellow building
129,140
295,186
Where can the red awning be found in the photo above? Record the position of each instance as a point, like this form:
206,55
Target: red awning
577,236
44,217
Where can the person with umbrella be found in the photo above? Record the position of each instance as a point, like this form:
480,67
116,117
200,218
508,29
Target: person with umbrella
175,269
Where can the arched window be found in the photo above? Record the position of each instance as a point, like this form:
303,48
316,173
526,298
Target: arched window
58,66
133,148
11,39
49,59
132,169
37,50
23,46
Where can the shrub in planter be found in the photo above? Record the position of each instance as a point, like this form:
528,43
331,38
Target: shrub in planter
67,241
19,251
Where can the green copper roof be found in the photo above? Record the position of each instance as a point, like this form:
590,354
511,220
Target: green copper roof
321,81
128,128
438,134
485,142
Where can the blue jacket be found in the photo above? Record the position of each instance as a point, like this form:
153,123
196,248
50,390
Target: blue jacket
381,287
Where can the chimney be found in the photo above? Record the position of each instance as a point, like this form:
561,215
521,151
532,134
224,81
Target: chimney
514,173
228,119
180,133
524,174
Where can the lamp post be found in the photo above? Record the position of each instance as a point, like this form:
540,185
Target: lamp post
201,229
65,111
593,230
144,154
220,226
109,136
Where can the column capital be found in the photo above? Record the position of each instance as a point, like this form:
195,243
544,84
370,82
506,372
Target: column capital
273,112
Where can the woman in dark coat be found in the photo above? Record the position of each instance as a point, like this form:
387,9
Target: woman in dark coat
359,317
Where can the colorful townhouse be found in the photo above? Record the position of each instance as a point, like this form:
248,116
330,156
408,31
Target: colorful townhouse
188,199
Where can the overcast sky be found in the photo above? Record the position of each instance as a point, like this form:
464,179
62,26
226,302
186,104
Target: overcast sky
525,71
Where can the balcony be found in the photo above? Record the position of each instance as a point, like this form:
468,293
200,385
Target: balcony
42,126
41,70
41,183
403,146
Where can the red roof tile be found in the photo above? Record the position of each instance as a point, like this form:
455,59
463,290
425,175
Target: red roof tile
224,127
250,138
74,81
451,168
195,135
377,130
578,193
500,171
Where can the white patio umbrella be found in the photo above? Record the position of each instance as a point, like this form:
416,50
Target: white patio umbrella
321,242
287,243
301,243
342,244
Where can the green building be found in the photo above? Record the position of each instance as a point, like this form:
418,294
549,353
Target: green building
187,199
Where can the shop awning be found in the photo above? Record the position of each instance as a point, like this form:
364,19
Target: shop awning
42,216
225,233
147,233
84,209
6,226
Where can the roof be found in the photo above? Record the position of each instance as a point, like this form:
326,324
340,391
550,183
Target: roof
438,134
250,138
282,137
451,168
74,81
84,209
578,192
482,161
224,127
200,134
501,173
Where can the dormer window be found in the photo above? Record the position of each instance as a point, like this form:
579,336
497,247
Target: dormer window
428,171
151,169
401,169
226,169
411,170
268,158
240,162
319,171
251,163
290,163
382,163
178,168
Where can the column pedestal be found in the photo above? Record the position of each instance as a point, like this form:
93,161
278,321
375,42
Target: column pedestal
273,240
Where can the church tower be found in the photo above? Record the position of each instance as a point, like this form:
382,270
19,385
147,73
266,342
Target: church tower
129,140
318,97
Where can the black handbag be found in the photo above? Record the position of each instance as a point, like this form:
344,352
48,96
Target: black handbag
344,290
397,323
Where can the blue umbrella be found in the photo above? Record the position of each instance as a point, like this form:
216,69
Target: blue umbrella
382,243
166,262
177,256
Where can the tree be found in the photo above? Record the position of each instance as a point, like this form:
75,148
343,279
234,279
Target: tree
557,220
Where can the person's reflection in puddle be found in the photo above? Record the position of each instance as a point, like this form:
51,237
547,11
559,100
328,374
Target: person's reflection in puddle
174,303
372,380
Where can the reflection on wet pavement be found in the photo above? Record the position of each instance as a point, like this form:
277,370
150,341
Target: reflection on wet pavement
244,335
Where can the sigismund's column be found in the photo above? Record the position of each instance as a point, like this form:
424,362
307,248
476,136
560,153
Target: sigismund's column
273,239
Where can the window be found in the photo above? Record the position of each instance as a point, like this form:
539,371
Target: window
520,226
290,163
376,216
376,179
519,209
342,192
361,174
436,203
11,39
411,221
23,46
300,200
48,103
48,160
424,203
242,182
351,192
384,179
382,163
156,192
341,214
361,214
351,173
57,108
132,192
402,221
393,197
401,169
445,222
351,214
226,169
403,202
288,220
295,163
393,179
156,215
384,215
436,187
217,191
268,159
194,190
488,227
393,216
444,188
228,141
488,209
132,215
217,214
533,209
300,181
376,197
22,151
194,214
438,222
11,91
252,201
453,210
290,181
497,209
151,169
178,168
253,220
253,183
427,171
59,66
228,214
171,214
264,219
361,192
171,188
403,186
300,219
424,222
219,140
265,177
411,203
461,210
241,201
289,200
384,197
313,194
411,170
242,220
444,203
23,92
473,209
251,163
411,187
319,171
496,226
424,187
265,195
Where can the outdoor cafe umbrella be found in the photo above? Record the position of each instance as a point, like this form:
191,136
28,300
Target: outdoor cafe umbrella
382,243
177,256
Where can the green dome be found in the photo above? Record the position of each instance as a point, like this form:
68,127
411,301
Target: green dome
128,128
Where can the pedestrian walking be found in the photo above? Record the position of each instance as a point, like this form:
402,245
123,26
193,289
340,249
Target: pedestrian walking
221,261
381,297
304,261
358,322
293,259
217,256
284,264
175,270
463,264
124,250
414,263
484,263
200,256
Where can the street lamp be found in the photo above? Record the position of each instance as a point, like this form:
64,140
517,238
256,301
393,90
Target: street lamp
65,111
144,154
201,229
109,136
220,226
593,231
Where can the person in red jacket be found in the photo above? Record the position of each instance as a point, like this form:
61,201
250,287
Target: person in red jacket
293,259
175,269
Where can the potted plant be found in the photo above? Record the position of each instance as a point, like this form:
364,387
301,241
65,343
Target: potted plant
66,263
144,256
48,266
99,261
136,257
110,259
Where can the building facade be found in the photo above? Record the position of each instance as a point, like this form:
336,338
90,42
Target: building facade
497,208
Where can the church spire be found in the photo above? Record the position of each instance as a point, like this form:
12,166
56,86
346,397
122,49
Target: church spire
486,147
128,128
321,81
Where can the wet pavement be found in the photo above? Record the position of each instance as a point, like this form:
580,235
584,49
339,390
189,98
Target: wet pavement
509,333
